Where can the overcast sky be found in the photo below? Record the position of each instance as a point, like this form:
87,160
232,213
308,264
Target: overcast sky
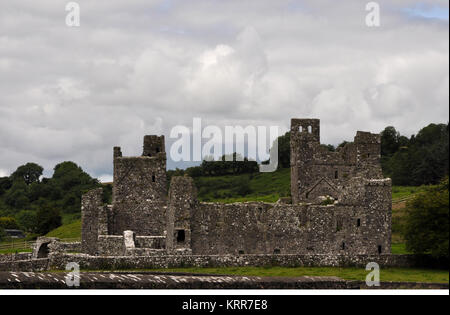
141,67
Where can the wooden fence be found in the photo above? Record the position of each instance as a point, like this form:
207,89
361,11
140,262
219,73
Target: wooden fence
20,244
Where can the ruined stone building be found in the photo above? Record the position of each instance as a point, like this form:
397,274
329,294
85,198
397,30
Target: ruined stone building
341,204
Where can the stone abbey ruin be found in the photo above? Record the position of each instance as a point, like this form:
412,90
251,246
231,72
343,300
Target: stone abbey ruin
339,214
341,204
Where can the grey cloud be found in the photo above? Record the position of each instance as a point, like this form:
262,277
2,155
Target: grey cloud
140,67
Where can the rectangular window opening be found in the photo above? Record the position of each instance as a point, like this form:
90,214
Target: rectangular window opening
181,236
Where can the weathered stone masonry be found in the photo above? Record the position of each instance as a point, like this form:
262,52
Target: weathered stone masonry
341,205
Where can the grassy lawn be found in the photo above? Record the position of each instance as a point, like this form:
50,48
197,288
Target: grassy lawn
403,192
387,275
13,251
72,230
399,249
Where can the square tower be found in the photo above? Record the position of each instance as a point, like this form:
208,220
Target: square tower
140,190
305,137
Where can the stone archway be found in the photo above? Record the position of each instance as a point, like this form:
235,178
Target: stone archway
42,247
43,250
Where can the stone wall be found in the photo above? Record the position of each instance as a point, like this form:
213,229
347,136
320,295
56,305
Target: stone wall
182,204
59,262
91,204
261,228
14,257
111,245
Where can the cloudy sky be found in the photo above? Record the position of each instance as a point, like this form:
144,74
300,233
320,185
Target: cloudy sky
141,67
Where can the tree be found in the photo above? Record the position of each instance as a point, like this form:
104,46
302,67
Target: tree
47,219
8,223
5,184
2,234
27,220
284,150
69,175
17,196
29,173
389,141
427,222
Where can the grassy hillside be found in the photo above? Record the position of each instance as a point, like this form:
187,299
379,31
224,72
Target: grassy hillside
72,230
268,187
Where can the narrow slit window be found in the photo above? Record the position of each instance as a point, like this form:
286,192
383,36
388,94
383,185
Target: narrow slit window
336,174
358,223
300,129
153,178
181,236
343,246
309,129
380,249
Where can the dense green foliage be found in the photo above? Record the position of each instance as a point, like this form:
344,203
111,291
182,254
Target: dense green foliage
238,165
420,160
2,234
37,204
8,223
427,222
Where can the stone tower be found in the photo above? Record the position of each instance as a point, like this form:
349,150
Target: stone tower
140,190
305,136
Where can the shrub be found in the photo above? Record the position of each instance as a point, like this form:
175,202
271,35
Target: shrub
48,219
8,223
427,222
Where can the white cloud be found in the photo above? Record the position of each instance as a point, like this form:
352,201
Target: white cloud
142,67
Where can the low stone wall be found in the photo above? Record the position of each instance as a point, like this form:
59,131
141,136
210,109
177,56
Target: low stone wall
71,247
15,257
111,245
182,261
153,242
26,265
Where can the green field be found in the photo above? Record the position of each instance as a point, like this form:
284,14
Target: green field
15,250
386,275
72,230
405,192
267,187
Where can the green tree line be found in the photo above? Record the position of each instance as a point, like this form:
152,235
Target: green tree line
36,204
421,159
